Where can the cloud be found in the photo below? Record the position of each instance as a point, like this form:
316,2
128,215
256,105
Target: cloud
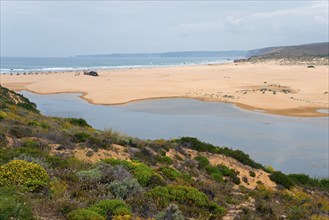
78,27
314,8
320,20
277,29
233,20
189,29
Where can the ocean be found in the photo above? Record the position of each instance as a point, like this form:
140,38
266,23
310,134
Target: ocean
53,64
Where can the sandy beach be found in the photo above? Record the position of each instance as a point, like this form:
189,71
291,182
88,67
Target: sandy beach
293,90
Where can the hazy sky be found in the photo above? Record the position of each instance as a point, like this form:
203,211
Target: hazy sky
65,28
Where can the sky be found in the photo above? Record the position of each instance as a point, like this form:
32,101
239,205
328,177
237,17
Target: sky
68,28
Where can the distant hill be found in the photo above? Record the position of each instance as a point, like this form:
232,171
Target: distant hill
297,51
316,53
230,53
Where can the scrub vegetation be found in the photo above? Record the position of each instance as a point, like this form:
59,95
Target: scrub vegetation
62,168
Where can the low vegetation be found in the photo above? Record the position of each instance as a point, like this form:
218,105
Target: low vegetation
46,174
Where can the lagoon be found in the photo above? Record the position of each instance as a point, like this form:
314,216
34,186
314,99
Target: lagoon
289,144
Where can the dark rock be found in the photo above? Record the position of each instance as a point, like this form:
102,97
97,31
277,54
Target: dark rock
240,60
90,73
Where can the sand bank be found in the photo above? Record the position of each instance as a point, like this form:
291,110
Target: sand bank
280,89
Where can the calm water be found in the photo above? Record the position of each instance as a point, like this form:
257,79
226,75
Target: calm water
290,144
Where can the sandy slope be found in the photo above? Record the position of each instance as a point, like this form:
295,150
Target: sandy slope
280,89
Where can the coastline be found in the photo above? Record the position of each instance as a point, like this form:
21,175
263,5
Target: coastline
284,90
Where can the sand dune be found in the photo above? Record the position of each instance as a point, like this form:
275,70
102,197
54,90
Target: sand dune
280,89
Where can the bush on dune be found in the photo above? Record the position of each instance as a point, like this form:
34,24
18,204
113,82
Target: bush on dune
104,209
305,180
108,208
191,196
78,122
143,173
281,179
197,145
13,205
84,214
202,161
170,173
22,173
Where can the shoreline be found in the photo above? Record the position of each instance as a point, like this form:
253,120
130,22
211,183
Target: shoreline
288,90
302,112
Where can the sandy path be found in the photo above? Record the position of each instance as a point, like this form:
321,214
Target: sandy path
279,89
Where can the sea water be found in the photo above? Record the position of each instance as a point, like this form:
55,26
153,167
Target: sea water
289,144
35,64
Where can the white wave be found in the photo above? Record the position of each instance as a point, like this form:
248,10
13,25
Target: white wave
82,68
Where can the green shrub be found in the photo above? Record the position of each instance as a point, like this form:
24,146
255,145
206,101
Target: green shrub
225,170
84,214
78,122
156,180
324,183
305,180
202,161
300,179
252,174
33,123
108,208
22,173
182,194
32,144
2,115
57,162
195,144
236,180
57,188
218,177
164,159
35,146
170,173
8,154
29,106
281,179
81,137
212,169
268,169
115,162
143,174
13,205
297,212
90,153
44,125
216,209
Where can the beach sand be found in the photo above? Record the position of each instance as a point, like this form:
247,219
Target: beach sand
293,90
